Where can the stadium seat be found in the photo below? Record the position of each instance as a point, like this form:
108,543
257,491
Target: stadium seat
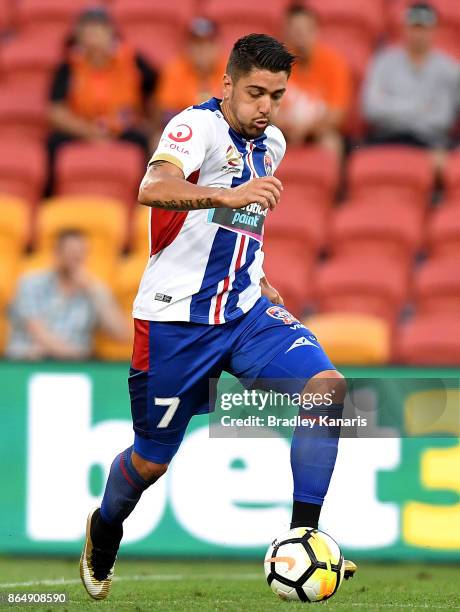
14,227
368,228
402,173
352,28
429,340
4,328
113,170
352,339
22,115
447,31
110,350
139,243
102,221
7,14
155,28
452,177
444,231
238,18
28,62
437,286
9,272
371,285
48,19
22,169
129,273
288,266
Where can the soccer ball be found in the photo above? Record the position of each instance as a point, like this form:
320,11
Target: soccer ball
304,564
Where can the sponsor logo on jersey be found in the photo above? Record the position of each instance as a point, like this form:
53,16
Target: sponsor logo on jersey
281,314
233,156
303,341
248,220
181,133
161,297
268,164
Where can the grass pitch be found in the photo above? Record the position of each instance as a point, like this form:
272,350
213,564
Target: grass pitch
222,586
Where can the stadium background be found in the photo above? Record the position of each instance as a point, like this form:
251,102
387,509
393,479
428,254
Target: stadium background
374,271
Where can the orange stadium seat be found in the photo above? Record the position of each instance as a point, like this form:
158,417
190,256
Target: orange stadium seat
368,228
449,23
437,286
444,231
429,340
4,329
452,177
289,269
22,115
22,169
107,349
371,285
29,61
14,226
238,18
48,19
113,170
139,243
9,273
401,173
157,28
352,27
102,220
352,339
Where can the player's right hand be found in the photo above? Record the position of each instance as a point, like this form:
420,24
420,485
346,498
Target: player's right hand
265,191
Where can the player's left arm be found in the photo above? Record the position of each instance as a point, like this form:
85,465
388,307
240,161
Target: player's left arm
270,292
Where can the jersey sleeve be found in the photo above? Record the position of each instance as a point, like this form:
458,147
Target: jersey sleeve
278,145
185,140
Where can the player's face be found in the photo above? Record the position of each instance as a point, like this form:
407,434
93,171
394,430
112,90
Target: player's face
254,99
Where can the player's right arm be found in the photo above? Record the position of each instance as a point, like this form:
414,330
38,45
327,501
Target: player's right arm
164,186
186,141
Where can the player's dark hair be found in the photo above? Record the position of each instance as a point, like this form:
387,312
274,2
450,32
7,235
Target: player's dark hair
261,52
298,8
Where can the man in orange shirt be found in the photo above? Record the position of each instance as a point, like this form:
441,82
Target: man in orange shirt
196,75
318,98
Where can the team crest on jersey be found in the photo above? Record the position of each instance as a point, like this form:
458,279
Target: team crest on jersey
268,164
281,314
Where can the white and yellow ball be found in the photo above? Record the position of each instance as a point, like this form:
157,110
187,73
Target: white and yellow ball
304,564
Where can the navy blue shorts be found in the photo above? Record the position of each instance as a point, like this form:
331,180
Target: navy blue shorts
173,363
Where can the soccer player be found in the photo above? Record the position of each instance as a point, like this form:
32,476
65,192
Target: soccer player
204,304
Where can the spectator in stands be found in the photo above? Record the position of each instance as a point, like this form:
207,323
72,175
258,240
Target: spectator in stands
412,92
196,74
104,89
55,312
316,102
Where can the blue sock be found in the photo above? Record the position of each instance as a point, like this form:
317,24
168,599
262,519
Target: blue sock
123,489
313,455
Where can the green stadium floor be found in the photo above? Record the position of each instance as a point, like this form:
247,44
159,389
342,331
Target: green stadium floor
217,585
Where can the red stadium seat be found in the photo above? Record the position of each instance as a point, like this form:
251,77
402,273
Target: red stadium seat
238,18
288,266
447,37
29,62
371,285
429,340
402,173
367,228
444,232
22,115
48,19
452,176
7,13
155,28
111,169
310,179
22,169
437,286
352,27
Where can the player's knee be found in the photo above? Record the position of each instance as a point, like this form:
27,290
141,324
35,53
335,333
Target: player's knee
328,382
148,470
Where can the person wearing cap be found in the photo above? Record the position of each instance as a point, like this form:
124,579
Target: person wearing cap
411,95
196,74
103,90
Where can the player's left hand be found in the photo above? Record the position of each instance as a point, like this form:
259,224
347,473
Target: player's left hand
270,292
